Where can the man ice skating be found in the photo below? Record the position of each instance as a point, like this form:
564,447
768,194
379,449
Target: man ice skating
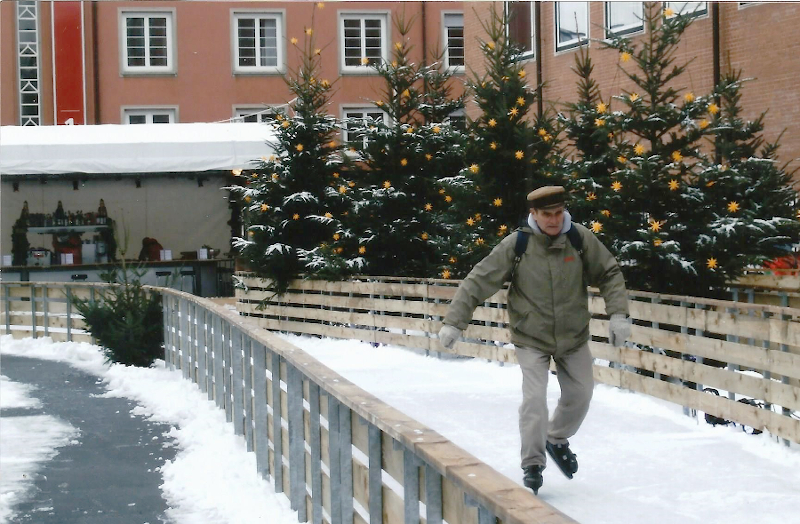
548,311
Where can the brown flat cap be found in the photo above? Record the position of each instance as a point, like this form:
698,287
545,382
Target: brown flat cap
547,196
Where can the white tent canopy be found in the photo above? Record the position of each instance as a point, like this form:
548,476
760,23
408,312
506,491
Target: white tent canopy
114,149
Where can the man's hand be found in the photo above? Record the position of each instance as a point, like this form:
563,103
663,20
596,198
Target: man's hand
619,329
448,336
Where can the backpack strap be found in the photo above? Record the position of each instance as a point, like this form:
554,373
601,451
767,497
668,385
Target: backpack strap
576,240
520,247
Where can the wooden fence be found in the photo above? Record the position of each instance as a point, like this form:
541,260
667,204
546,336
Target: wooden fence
679,347
341,455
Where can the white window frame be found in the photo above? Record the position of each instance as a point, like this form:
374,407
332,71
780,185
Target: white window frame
527,55
383,17
149,113
364,110
625,30
262,113
575,42
280,39
448,19
697,13
171,57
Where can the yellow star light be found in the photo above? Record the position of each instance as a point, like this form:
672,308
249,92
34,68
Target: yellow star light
274,176
264,207
655,225
673,185
711,263
448,199
339,249
403,162
398,45
493,145
710,183
591,196
596,226
293,41
513,112
336,175
351,184
601,108
428,156
285,123
490,45
309,31
713,109
362,250
657,242
606,213
436,129
599,122
328,215
677,156
474,168
521,101
633,97
364,60
497,202
478,217
379,103
616,186
299,147
406,93
251,233
503,229
441,191
519,155
394,63
621,159
296,217
387,184
342,190
668,12
470,221
521,73
798,214
325,83
247,199
409,130
255,175
689,97
424,236
321,5
492,122
236,172
625,56
428,206
733,207
336,236
638,149
446,273
480,241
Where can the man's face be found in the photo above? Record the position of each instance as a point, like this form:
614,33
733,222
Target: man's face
549,220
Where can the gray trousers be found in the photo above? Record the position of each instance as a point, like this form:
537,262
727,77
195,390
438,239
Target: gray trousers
575,377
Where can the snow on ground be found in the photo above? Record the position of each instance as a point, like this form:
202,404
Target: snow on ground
640,458
212,480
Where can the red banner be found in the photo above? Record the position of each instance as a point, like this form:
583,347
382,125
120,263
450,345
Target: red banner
68,51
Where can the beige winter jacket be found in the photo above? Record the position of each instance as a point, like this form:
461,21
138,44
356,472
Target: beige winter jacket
548,305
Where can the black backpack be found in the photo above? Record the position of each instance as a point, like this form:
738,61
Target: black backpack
522,245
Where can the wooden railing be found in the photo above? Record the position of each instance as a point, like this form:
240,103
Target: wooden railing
340,454
679,347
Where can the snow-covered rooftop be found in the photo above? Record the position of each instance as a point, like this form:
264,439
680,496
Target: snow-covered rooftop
114,149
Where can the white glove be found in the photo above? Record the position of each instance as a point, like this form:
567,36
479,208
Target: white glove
619,329
448,336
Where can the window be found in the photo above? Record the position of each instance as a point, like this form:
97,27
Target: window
454,41
458,119
149,116
258,43
363,41
355,117
519,17
572,24
147,42
254,114
688,8
623,18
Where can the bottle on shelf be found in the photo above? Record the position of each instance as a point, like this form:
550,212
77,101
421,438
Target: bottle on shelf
102,213
59,216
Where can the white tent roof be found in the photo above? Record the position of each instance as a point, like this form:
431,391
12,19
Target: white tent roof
112,149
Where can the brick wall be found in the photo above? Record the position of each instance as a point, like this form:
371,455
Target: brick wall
760,39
